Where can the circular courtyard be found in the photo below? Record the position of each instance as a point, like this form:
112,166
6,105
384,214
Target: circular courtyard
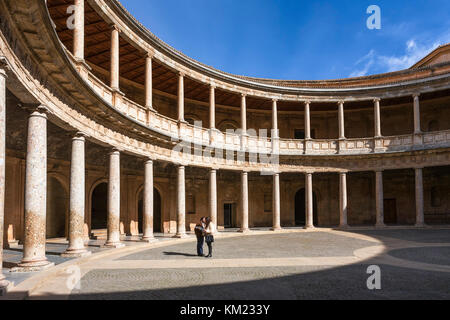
295,264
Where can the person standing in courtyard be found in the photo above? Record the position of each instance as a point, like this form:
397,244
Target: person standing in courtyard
210,230
200,234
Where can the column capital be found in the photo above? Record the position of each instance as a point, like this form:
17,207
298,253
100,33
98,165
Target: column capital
212,86
416,95
379,170
78,135
375,100
274,100
341,102
243,95
149,160
114,150
307,102
114,27
181,74
35,109
150,54
4,66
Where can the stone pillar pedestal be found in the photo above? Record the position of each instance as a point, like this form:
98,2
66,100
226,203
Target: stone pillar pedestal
309,201
148,203
244,203
77,199
113,233
276,205
420,217
34,258
181,203
343,201
379,194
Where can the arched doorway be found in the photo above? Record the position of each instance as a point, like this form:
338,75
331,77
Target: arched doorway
57,205
99,207
157,221
300,208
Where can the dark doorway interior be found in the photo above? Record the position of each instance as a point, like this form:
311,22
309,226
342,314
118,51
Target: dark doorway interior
157,224
300,208
228,209
57,205
99,207
390,211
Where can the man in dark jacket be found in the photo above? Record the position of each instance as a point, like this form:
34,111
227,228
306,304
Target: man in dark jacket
200,233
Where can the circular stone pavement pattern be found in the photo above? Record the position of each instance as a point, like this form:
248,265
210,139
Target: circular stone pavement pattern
321,264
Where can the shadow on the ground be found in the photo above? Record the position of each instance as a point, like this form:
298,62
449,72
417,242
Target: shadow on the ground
180,254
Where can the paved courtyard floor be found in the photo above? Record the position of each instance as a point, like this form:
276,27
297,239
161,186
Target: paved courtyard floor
295,264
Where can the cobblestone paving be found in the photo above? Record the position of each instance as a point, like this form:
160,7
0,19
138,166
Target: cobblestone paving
315,244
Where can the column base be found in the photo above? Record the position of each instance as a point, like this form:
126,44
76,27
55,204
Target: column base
149,240
113,245
25,267
344,226
244,231
420,225
13,244
276,229
181,236
5,286
310,228
76,253
380,226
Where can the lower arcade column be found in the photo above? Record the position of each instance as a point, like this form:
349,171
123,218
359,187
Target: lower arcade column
244,203
148,203
181,203
309,201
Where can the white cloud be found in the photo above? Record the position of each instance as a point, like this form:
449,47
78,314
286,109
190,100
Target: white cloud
414,52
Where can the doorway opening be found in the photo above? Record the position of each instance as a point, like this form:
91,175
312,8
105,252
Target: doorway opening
99,207
57,208
300,208
157,214
228,213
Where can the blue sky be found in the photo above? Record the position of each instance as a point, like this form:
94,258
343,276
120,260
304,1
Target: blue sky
296,39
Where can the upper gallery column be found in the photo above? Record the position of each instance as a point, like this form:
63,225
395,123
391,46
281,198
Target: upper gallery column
213,195
343,200
181,97
77,198
113,240
78,32
276,205
3,282
244,114
115,48
244,202
181,202
212,107
149,82
379,194
307,120
417,128
377,118
148,204
420,218
34,258
341,120
275,133
309,201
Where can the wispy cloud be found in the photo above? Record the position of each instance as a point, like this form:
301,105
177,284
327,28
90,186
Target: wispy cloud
414,51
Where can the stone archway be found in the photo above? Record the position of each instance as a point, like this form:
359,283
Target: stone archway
300,208
57,209
157,211
99,206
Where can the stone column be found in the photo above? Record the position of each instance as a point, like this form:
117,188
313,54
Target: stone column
115,48
77,199
181,97
148,203
244,113
377,117
341,120
307,120
212,107
343,200
379,199
420,218
275,134
213,195
34,258
149,83
309,201
276,206
244,202
78,32
113,240
417,128
181,203
3,283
